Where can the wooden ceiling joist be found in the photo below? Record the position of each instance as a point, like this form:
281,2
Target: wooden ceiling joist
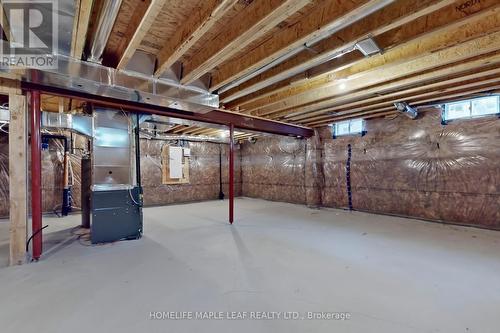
391,17
141,31
463,68
431,95
400,95
191,32
409,59
405,34
323,18
435,98
257,19
83,9
296,60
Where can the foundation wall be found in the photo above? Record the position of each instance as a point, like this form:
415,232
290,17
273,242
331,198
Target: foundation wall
203,185
274,169
204,179
416,168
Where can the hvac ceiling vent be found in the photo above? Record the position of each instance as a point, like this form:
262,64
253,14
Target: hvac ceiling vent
368,47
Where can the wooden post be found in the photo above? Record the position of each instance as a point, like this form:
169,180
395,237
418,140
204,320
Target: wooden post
18,178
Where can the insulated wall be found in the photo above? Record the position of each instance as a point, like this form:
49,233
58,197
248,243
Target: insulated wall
419,168
273,168
203,185
52,174
204,180
415,168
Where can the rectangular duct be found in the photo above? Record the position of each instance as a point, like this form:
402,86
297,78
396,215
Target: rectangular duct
91,78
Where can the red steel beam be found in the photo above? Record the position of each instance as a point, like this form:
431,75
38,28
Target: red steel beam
36,175
221,117
231,173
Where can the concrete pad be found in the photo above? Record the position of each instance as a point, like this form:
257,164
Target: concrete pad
390,274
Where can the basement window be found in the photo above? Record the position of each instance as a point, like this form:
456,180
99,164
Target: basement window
471,108
349,127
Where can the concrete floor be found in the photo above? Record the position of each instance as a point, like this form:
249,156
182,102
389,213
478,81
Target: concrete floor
390,274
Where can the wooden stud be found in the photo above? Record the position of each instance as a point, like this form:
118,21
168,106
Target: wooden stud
18,178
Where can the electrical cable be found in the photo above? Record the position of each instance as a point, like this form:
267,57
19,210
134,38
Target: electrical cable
34,234
348,176
132,198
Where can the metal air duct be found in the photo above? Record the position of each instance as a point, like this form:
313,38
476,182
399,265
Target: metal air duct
107,19
406,109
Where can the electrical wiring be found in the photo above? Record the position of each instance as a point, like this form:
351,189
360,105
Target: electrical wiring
1,128
132,198
33,235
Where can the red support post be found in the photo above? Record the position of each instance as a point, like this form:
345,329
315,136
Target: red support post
36,175
231,173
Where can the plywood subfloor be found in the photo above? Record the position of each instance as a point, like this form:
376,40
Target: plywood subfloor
391,274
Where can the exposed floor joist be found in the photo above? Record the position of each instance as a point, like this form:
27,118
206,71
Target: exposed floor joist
191,32
83,9
400,62
226,40
141,31
435,19
251,23
325,18
390,17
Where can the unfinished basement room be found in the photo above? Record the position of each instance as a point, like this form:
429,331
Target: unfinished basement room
250,166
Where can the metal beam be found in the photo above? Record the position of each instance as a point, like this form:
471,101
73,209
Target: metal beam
221,117
231,173
36,175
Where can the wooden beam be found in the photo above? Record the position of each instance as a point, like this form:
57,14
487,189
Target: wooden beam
424,16
83,8
323,18
191,129
147,21
198,23
250,24
18,178
420,55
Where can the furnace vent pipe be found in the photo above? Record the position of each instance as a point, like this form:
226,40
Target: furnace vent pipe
107,19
